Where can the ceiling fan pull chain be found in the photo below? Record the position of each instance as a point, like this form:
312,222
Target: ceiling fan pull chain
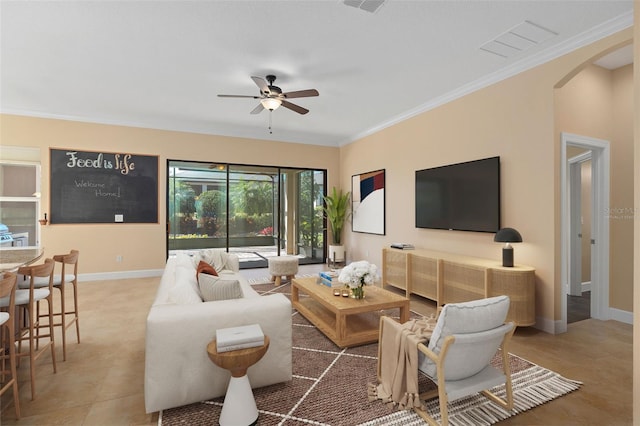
270,114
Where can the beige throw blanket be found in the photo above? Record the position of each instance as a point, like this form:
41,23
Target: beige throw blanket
398,362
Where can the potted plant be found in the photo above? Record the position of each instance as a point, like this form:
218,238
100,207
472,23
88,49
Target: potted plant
335,209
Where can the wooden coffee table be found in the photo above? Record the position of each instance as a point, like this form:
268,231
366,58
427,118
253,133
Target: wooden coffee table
346,321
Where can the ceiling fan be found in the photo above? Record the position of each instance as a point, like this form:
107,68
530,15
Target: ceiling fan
271,97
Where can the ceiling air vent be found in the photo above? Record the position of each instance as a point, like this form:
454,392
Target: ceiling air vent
518,39
368,5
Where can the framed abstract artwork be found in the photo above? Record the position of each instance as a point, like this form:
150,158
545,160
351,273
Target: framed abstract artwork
368,198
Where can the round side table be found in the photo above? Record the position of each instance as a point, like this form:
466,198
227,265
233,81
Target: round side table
239,406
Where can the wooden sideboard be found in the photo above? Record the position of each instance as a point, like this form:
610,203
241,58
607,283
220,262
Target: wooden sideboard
450,278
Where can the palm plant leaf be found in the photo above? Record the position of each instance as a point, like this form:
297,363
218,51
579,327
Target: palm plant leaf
335,209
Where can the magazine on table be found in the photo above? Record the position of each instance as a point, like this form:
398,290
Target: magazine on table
233,338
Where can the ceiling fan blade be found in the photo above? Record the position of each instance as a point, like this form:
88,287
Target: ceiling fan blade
294,107
239,96
258,109
262,85
301,93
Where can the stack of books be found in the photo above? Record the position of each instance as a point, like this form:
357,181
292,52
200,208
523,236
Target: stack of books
329,278
402,246
234,338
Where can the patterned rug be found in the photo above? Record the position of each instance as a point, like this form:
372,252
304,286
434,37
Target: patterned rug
329,387
261,284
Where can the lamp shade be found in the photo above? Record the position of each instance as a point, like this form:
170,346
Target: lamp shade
508,235
271,103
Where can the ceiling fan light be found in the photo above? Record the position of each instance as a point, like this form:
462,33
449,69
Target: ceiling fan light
271,103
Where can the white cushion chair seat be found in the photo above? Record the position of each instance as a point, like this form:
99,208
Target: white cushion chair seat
4,317
485,379
22,297
38,282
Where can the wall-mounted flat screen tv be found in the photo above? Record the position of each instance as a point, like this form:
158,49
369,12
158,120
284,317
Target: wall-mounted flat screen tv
462,196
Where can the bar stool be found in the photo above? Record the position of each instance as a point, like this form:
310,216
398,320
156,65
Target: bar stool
69,275
28,297
7,321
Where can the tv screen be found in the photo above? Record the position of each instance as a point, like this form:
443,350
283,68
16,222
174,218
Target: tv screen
463,196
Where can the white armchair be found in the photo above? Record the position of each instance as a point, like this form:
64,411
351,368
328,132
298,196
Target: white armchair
465,339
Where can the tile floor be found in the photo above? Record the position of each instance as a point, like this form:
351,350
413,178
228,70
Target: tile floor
101,383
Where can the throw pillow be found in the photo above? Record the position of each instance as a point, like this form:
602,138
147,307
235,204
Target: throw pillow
215,288
205,268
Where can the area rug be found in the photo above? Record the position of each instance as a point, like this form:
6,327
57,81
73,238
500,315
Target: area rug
266,280
329,387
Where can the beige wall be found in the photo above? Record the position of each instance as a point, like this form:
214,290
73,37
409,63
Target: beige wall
636,231
513,119
622,187
598,103
142,246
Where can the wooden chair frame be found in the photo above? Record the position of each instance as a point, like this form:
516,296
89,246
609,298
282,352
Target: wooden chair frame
67,260
30,321
441,393
8,289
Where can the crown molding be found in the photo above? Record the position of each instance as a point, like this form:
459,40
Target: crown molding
596,33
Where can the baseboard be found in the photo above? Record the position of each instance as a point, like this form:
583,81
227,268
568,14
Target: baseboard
549,326
586,286
120,275
620,315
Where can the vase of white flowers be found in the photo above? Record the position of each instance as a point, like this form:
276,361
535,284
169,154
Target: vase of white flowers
356,275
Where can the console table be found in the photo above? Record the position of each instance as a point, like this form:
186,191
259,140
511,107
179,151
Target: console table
450,278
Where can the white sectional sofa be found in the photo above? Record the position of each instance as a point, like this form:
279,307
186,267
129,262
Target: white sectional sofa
178,370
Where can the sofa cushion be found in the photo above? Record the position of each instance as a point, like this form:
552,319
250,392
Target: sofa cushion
183,294
185,288
214,288
205,268
214,257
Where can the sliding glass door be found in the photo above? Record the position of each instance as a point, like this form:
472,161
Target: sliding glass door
254,211
309,218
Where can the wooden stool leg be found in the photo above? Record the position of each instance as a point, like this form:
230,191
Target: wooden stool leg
278,280
63,322
75,310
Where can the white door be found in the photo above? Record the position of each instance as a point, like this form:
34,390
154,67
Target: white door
600,153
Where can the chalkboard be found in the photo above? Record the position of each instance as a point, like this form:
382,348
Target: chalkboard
102,187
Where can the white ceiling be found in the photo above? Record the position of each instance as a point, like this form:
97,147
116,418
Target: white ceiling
161,64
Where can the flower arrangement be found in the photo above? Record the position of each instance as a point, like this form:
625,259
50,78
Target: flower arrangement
358,274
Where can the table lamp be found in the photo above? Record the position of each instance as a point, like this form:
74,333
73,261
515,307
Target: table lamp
508,236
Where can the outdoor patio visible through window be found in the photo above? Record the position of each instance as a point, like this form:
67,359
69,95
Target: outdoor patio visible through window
254,211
